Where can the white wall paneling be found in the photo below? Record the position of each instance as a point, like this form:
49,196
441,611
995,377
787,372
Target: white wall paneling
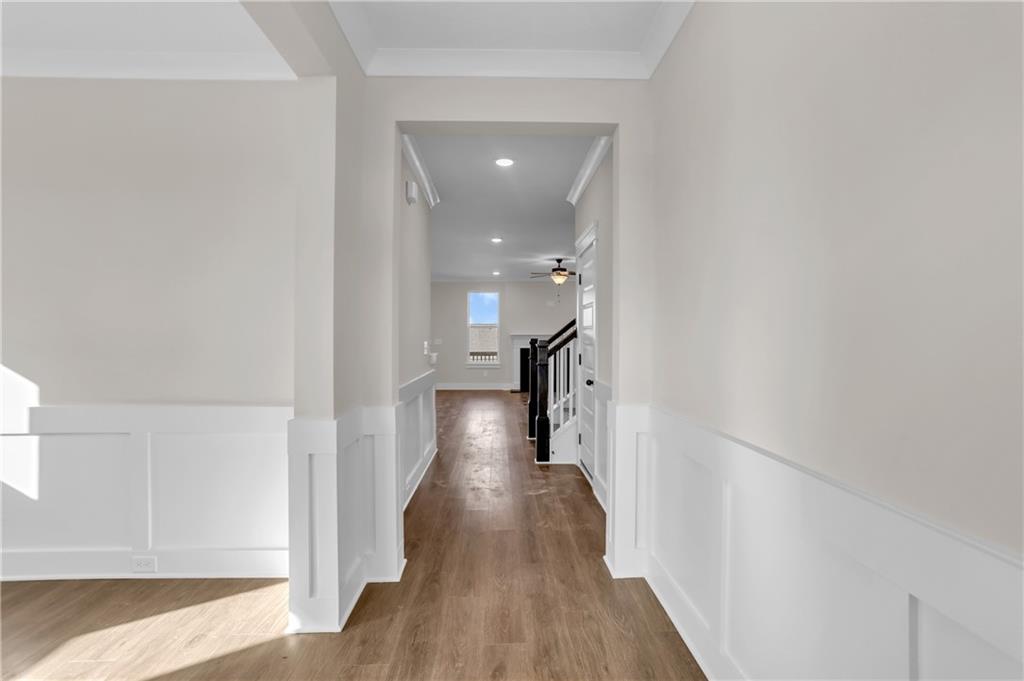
417,441
313,589
201,489
387,561
629,435
345,515
771,571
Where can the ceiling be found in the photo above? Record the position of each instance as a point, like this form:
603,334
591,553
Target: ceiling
524,204
520,39
184,40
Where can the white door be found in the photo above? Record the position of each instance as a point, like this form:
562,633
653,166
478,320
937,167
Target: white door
586,325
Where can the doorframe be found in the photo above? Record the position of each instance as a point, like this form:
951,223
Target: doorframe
587,240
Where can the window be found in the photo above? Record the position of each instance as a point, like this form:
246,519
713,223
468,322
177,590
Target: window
482,317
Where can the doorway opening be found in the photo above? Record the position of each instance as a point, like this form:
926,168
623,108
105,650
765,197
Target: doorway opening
504,233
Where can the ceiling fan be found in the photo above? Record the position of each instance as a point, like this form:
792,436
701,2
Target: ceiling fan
558,274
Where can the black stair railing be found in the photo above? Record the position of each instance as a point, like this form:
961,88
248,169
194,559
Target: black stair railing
542,352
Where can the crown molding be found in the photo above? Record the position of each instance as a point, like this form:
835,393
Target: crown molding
510,63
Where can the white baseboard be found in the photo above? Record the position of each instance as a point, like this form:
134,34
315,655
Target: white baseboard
352,589
82,563
420,474
600,491
474,386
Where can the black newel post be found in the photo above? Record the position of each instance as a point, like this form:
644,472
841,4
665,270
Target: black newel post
531,409
543,428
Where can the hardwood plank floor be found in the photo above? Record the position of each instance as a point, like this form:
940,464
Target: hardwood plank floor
505,580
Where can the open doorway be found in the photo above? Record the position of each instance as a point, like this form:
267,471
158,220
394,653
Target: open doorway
493,217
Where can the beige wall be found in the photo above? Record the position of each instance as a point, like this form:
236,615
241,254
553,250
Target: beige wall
314,123
525,308
414,283
839,245
595,205
148,240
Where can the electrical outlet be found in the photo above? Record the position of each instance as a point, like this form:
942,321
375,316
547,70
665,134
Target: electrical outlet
143,563
426,348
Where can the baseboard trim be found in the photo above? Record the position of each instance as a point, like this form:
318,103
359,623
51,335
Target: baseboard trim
690,625
75,563
349,596
411,490
600,490
474,386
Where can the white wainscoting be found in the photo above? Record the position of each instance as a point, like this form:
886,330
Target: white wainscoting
201,489
347,488
345,517
771,571
417,431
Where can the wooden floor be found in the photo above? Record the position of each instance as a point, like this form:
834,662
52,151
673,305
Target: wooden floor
505,580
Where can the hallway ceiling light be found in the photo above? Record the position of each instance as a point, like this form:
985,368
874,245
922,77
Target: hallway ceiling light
504,162
496,239
496,273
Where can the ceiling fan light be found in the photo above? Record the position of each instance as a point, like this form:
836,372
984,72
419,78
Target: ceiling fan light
559,277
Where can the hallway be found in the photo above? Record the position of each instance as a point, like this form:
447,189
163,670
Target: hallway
505,580
505,572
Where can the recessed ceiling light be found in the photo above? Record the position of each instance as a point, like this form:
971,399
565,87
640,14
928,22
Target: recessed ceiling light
496,273
504,162
495,239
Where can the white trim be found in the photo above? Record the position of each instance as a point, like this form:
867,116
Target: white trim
597,483
664,28
417,385
995,551
625,548
474,386
157,418
421,472
352,20
588,237
45,564
685,619
144,65
419,169
313,446
591,162
510,63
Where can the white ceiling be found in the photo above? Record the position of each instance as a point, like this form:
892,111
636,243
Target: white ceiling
515,39
185,40
525,205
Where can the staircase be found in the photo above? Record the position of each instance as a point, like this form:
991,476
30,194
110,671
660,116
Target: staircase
553,401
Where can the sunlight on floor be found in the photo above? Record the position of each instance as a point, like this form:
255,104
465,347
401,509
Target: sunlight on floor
166,641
